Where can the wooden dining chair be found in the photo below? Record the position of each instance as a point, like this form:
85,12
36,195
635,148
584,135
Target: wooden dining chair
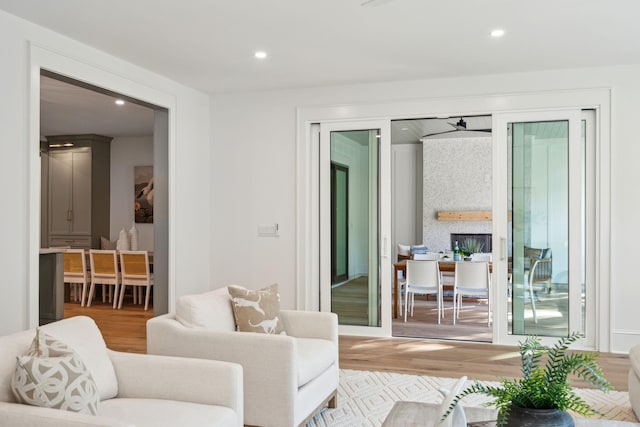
75,274
104,271
135,273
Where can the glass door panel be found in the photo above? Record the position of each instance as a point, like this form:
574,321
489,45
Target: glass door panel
539,194
352,286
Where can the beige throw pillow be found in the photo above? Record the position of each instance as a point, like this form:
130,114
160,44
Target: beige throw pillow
257,311
52,375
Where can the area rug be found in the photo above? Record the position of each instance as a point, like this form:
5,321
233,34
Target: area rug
366,397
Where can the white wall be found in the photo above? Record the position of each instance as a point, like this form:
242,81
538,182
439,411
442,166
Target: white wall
406,195
261,164
126,153
19,175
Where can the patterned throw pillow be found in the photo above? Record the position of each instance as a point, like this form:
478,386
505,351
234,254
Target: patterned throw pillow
257,311
52,375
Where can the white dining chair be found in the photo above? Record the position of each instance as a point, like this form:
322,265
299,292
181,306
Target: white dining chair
481,257
104,271
135,273
429,256
473,280
423,277
75,274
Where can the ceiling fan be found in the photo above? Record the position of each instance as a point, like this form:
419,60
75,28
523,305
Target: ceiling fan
459,126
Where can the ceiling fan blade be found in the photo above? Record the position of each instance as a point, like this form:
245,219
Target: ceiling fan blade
439,133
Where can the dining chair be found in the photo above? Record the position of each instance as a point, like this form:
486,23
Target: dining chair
423,277
75,274
473,280
481,257
104,271
429,256
135,273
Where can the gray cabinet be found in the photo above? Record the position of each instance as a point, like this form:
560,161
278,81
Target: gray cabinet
78,190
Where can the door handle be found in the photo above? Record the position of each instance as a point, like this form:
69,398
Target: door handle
384,247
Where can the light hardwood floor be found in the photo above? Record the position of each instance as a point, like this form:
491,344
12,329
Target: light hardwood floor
125,330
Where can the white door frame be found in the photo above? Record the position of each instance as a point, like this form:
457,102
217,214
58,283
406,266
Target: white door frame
43,58
384,220
500,223
307,158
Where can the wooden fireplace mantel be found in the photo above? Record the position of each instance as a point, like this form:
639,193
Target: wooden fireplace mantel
466,215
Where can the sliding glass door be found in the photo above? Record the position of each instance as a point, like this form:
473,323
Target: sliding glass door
541,225
354,224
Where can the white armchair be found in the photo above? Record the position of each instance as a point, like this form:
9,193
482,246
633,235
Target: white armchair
136,390
287,378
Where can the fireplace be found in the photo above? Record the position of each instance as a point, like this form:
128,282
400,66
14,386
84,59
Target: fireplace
482,238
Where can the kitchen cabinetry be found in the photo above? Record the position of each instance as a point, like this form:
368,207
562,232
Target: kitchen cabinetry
78,190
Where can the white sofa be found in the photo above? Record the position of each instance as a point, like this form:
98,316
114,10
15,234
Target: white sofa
136,390
286,378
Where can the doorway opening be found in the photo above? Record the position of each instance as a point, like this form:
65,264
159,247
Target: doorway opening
104,175
441,194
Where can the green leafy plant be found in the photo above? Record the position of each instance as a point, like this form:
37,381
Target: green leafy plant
543,386
471,246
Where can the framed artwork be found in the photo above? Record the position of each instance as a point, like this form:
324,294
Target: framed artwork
143,194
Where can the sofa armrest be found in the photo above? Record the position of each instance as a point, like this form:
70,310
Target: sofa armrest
311,324
264,358
19,415
165,335
176,378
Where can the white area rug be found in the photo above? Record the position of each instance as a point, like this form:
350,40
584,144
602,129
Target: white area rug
366,397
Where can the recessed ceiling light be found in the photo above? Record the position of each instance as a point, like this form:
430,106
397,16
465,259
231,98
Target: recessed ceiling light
497,33
405,129
119,102
260,54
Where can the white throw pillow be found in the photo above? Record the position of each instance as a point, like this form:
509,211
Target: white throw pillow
209,310
404,250
52,375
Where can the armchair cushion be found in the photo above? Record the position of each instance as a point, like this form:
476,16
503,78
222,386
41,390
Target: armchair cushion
210,310
314,357
257,311
52,375
156,412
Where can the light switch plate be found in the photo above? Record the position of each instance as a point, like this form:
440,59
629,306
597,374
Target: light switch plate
268,230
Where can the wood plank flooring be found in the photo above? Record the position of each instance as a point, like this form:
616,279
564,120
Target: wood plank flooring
125,330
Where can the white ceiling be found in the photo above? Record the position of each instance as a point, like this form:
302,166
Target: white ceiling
66,109
209,44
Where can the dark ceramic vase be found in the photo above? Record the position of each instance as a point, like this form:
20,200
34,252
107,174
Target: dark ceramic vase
525,417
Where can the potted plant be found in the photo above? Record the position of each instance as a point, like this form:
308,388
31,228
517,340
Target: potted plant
470,247
543,395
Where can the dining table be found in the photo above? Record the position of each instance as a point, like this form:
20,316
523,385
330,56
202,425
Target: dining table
446,265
